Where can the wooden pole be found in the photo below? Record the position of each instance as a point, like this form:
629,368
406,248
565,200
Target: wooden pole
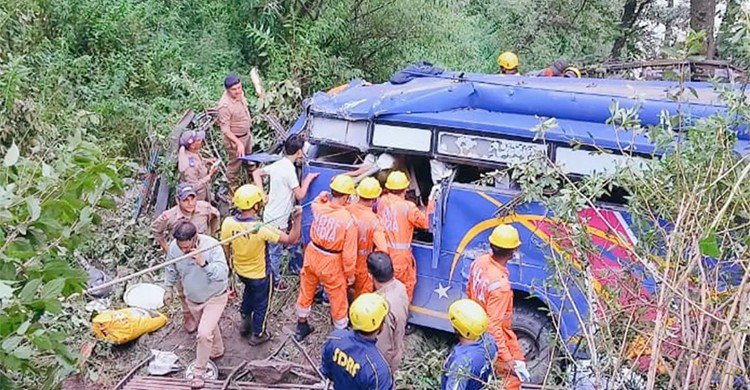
254,230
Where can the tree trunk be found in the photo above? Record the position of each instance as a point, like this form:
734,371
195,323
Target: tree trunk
630,14
702,15
669,27
732,14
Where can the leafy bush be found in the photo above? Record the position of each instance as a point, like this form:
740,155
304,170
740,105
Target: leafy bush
48,204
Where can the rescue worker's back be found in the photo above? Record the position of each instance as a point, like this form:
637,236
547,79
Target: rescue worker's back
353,362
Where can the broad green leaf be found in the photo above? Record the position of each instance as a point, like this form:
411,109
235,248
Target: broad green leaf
35,210
709,246
23,328
29,291
53,289
11,157
23,352
20,249
52,305
5,289
11,343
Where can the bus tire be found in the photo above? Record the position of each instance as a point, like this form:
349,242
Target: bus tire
534,331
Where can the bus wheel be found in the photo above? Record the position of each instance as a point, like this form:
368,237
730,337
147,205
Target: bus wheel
534,331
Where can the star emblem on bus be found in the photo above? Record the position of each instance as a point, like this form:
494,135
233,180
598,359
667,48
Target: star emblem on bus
442,291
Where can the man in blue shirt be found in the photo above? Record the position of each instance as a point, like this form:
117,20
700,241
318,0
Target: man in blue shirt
350,358
469,364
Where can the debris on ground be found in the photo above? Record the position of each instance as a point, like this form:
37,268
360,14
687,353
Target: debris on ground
163,363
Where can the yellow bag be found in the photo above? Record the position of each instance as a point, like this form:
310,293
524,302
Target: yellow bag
121,326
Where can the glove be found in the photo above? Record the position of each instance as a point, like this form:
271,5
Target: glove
521,371
434,193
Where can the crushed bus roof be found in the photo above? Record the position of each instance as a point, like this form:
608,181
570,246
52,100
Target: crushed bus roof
516,105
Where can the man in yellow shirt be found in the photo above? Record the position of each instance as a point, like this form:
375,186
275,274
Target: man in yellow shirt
248,254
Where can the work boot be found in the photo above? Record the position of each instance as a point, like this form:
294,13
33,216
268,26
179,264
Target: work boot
247,325
258,340
303,329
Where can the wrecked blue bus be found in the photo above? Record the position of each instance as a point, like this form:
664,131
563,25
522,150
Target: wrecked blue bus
472,124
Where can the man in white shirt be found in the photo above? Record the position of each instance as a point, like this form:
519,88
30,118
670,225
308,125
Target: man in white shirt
284,190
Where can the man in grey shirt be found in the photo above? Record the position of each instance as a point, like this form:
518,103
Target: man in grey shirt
204,280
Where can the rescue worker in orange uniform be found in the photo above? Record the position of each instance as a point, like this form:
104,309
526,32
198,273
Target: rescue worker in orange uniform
555,70
399,218
371,233
330,257
489,285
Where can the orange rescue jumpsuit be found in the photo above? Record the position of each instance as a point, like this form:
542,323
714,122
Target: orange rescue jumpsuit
371,236
399,217
489,285
329,259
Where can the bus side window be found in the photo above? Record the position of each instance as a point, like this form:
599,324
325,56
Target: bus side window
579,163
500,178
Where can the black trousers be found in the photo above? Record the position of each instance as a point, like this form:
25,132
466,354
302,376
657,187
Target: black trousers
256,300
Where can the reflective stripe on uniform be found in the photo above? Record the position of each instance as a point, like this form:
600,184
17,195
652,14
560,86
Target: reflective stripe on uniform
341,324
323,250
303,312
493,286
399,246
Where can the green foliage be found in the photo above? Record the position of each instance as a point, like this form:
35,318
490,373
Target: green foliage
48,204
687,205
543,31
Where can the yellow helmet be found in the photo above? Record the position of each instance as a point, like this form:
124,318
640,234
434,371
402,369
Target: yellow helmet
468,318
396,181
506,237
369,188
507,60
367,312
343,184
572,72
247,196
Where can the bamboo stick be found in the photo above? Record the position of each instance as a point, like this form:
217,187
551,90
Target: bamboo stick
254,230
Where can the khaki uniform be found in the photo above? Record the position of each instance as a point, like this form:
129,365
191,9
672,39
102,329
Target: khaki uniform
391,338
206,221
194,170
234,116
205,218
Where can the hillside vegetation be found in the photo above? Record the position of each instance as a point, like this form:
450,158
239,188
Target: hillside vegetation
87,86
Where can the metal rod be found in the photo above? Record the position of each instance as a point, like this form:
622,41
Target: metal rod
279,348
127,377
309,359
232,374
253,230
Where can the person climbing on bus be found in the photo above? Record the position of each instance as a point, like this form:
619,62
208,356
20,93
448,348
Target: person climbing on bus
555,70
350,358
195,169
572,72
399,218
508,63
371,233
248,258
470,362
330,257
489,285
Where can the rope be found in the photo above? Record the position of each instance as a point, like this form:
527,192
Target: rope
253,230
